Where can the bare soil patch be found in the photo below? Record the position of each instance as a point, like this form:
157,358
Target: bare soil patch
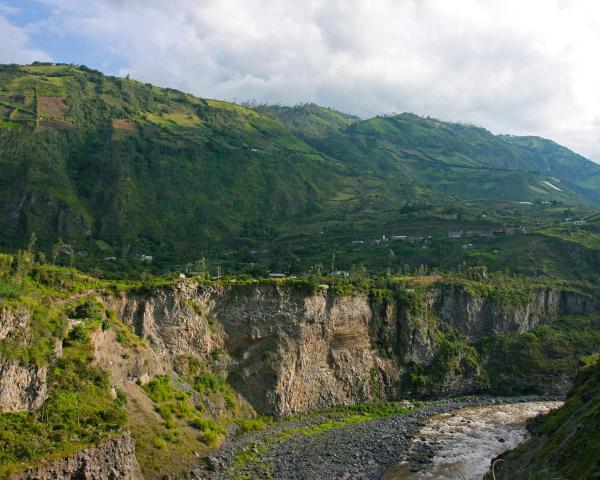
53,108
124,124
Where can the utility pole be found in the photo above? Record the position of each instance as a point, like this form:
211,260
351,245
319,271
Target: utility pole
78,424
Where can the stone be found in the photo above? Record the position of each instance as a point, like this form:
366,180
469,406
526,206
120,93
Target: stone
114,459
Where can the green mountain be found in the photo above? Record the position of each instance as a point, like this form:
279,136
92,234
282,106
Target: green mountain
116,168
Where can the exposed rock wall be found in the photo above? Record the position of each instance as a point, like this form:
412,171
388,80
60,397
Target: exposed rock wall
22,387
303,352
13,322
288,351
125,362
475,316
111,460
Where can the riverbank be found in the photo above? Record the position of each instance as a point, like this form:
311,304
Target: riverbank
326,447
462,443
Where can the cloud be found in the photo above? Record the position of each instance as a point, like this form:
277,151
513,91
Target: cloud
512,66
15,46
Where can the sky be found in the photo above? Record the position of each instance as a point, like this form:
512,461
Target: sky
513,66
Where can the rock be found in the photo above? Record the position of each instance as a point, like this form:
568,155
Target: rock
213,464
22,388
197,473
113,459
298,351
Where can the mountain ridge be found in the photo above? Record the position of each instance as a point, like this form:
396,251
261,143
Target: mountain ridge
119,168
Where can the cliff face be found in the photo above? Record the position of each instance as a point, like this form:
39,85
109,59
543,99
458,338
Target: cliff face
22,387
285,351
474,316
288,351
112,460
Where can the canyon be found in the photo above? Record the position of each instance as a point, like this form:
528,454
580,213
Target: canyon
287,348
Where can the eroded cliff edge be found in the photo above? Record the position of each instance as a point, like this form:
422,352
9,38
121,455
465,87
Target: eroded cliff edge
229,349
289,350
113,459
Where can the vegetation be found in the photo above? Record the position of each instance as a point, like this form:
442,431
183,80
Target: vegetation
212,187
173,403
62,306
78,412
566,443
548,350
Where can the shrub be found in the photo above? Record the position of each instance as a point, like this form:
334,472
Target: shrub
211,438
211,383
252,424
10,289
159,442
160,389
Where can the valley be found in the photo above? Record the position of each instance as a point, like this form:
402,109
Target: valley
192,288
183,364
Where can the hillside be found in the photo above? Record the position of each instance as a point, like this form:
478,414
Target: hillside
175,364
102,167
566,443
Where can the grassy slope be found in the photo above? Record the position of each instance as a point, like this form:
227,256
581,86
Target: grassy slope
188,172
171,432
566,443
117,167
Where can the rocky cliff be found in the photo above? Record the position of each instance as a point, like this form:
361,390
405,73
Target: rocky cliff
112,460
287,350
475,316
287,347
284,351
22,387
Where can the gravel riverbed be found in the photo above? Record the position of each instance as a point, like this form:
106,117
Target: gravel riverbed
351,452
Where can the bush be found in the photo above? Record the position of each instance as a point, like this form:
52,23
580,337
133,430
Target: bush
88,310
159,442
252,424
211,438
160,389
9,289
211,383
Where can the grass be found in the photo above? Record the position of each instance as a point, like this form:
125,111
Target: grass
209,382
174,404
246,425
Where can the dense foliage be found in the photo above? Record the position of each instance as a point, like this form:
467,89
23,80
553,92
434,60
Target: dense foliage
104,170
566,443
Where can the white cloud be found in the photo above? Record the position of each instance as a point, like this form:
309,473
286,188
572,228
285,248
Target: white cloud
513,66
15,45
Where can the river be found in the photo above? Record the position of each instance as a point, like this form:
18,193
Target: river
460,445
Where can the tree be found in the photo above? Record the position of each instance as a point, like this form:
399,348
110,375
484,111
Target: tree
31,244
56,250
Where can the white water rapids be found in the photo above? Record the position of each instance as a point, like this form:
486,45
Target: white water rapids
466,440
